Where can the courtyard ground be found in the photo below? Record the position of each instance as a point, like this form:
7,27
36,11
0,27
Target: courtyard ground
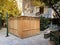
13,40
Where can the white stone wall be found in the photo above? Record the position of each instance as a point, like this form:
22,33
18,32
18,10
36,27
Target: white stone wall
29,13
48,13
28,9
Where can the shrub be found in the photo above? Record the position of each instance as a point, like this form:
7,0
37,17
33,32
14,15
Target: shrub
0,21
44,23
56,21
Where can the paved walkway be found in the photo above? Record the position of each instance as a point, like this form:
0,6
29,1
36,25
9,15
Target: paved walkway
13,40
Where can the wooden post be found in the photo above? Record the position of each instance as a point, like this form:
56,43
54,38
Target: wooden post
7,25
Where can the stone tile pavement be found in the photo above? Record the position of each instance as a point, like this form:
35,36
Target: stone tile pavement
13,40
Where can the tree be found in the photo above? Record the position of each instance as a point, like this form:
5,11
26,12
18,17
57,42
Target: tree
37,3
55,5
52,4
40,5
9,6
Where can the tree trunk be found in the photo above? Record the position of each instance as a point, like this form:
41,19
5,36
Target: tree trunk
51,5
55,11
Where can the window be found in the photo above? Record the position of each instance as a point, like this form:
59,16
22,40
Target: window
41,10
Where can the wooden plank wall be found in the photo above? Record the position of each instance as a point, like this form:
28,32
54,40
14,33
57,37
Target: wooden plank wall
24,26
